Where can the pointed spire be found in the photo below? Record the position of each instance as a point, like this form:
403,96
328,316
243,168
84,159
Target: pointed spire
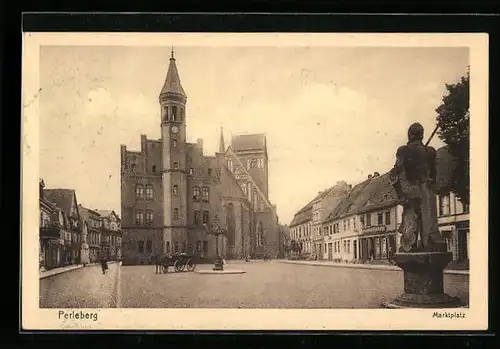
173,82
222,147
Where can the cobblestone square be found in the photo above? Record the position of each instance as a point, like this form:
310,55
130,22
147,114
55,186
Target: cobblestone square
269,284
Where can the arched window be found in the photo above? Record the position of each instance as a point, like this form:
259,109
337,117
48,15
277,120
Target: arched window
174,113
149,217
165,113
175,190
149,192
139,218
176,214
206,217
140,246
206,194
181,116
174,143
196,193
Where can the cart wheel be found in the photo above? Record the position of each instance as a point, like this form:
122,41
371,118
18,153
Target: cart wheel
177,266
183,266
191,265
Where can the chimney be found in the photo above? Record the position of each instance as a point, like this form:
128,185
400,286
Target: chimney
199,141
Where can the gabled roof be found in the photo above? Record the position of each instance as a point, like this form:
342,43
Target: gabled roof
63,198
248,142
250,178
107,213
350,202
231,187
86,213
302,216
173,82
382,194
305,213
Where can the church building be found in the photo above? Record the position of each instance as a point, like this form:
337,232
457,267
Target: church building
171,191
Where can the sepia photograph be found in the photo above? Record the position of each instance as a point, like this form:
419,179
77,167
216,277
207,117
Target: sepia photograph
241,180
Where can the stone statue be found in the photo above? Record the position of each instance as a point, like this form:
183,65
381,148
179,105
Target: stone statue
414,179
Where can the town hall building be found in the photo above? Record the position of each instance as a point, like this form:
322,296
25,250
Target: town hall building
171,192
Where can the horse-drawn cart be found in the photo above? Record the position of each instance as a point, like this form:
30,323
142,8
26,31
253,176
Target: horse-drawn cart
180,262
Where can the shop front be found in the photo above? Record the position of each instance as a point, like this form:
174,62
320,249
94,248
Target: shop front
376,243
51,247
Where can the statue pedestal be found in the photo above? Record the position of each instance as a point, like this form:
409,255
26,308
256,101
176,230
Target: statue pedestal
423,281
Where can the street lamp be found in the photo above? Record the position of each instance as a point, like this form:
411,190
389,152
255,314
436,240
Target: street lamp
216,229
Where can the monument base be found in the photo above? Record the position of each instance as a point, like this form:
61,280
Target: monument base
423,281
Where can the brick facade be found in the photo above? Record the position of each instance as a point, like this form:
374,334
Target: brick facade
170,189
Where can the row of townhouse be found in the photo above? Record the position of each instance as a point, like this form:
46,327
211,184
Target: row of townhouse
361,224
72,234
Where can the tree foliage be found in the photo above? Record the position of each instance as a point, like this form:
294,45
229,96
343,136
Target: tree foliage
454,130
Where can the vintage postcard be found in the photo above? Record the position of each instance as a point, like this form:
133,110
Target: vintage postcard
254,181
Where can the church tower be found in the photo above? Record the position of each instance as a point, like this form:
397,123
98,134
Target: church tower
174,173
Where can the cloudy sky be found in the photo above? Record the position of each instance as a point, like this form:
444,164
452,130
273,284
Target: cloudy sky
330,114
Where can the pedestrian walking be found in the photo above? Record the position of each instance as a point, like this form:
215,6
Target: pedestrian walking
104,265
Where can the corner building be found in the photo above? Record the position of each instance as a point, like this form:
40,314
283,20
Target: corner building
169,189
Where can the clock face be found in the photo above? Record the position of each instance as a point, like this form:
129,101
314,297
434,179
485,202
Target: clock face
175,129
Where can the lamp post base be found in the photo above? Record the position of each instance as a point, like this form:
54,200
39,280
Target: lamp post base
218,265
